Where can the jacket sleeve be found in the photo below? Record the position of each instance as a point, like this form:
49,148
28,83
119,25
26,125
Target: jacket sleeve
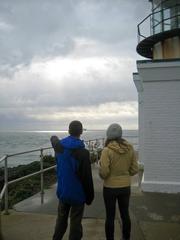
56,144
104,164
134,165
85,174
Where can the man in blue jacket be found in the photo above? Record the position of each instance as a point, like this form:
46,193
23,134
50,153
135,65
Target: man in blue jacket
74,181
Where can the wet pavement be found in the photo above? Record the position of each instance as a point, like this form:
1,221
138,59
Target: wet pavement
155,216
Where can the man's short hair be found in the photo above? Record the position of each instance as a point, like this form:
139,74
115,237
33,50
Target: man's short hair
75,128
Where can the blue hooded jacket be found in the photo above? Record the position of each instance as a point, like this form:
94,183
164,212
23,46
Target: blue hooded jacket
69,189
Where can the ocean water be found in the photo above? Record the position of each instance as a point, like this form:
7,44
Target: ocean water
16,142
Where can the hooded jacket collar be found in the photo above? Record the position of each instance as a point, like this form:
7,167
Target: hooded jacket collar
120,148
71,142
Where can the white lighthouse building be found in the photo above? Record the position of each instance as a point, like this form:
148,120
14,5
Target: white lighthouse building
158,85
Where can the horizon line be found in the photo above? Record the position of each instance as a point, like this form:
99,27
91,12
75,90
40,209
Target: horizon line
86,130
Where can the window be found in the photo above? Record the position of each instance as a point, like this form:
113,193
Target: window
157,22
166,15
167,20
175,18
156,5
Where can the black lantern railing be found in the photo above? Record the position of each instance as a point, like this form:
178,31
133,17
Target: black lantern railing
159,21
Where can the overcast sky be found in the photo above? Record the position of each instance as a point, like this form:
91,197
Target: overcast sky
62,60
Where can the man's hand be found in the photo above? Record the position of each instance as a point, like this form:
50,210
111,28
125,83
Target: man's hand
56,144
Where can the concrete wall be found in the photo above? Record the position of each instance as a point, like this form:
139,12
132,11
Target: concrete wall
159,124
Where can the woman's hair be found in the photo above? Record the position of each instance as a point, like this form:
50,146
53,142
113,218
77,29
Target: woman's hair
118,140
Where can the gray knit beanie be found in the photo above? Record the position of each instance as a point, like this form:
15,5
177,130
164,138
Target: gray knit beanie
114,131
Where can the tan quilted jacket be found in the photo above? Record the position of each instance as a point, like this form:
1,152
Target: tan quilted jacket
117,163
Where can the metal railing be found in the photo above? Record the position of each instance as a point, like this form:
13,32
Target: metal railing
92,145
157,22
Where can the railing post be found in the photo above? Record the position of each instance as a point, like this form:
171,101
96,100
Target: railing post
103,141
42,177
89,145
138,33
0,219
97,145
151,26
6,184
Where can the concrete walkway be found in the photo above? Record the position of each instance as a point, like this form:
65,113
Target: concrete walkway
154,216
28,226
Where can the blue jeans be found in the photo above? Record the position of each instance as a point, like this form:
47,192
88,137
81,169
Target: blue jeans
76,214
122,195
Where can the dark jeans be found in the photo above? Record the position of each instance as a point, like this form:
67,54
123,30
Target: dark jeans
76,214
122,195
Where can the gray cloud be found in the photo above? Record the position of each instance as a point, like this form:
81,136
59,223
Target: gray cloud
37,32
46,27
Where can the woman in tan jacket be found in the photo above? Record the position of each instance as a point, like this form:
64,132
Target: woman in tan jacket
117,165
